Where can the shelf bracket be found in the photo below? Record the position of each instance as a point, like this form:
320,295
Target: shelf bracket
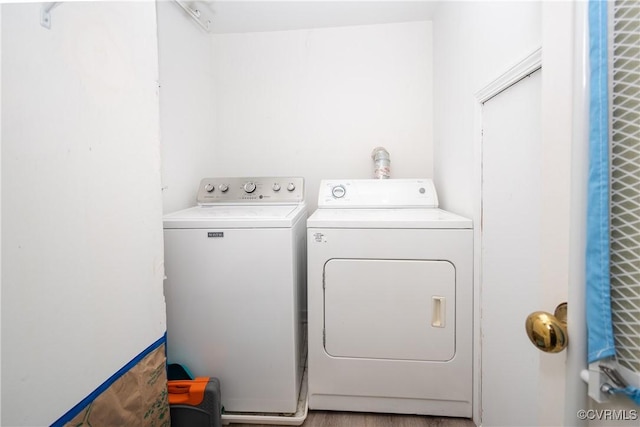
196,13
45,13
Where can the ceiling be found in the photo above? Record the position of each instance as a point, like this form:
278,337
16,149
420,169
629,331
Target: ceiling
239,16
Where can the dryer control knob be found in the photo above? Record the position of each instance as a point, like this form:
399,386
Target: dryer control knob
338,191
209,188
223,187
276,187
249,187
291,186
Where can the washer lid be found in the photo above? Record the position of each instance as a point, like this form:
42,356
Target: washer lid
386,218
262,216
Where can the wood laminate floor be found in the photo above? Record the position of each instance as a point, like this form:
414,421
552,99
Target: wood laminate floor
358,419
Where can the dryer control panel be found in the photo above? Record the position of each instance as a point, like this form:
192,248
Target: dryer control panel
377,193
251,190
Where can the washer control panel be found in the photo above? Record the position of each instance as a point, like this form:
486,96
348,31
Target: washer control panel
377,193
282,190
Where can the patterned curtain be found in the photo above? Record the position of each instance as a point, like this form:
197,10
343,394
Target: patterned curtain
625,182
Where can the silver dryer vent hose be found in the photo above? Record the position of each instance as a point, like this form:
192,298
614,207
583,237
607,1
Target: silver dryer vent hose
382,163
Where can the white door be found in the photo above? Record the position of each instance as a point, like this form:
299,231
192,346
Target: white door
513,256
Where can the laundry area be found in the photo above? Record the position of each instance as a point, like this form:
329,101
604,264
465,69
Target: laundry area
301,212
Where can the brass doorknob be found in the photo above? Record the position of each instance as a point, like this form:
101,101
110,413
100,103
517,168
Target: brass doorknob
548,332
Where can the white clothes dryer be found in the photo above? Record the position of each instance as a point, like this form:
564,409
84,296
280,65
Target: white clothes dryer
235,290
389,300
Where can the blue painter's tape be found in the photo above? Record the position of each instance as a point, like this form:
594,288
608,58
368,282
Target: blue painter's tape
105,385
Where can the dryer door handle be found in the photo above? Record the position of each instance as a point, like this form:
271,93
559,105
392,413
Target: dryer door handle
438,311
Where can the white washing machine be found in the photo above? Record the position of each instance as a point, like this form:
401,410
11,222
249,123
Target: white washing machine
235,290
389,299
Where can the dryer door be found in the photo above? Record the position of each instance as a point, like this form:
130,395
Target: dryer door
390,309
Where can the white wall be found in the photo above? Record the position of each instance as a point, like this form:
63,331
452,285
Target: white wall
314,103
81,202
474,42
186,106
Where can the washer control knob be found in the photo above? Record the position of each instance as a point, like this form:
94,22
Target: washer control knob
223,187
249,187
276,187
291,186
209,188
338,191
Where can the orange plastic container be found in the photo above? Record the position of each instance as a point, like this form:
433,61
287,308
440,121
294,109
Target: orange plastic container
195,403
